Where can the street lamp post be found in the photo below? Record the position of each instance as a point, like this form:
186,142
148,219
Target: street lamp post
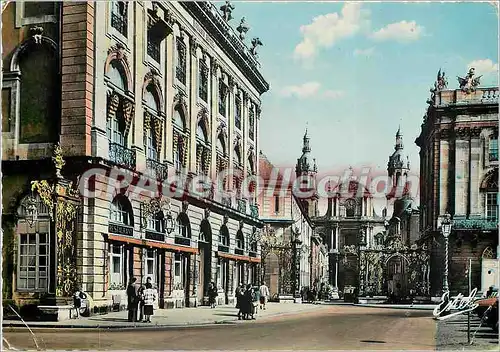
446,230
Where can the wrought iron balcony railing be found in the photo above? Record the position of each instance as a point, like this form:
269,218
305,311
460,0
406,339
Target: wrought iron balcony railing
242,206
254,210
157,169
122,155
475,224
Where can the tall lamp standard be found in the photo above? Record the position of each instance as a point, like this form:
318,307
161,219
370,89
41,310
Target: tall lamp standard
446,230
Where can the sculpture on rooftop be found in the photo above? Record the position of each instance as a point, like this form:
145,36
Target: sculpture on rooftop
468,84
255,43
227,9
243,28
441,81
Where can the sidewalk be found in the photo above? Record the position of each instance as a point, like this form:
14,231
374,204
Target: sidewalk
382,305
169,317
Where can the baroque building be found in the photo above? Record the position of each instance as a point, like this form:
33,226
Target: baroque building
459,177
293,256
141,101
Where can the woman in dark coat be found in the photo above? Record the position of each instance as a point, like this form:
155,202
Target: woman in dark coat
212,295
247,303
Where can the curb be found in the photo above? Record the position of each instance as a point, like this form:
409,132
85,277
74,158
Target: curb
17,326
386,306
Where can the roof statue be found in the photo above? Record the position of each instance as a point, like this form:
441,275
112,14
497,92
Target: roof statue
243,28
255,43
227,9
441,81
468,84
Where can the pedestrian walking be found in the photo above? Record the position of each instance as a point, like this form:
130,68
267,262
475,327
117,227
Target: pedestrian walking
140,307
150,297
78,297
239,298
212,295
264,295
248,308
133,299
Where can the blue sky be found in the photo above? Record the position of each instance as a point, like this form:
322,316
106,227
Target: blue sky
361,70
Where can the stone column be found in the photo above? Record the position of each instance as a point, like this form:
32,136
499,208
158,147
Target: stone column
444,163
461,172
475,144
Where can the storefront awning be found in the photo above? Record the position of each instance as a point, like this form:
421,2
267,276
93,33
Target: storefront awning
153,244
241,258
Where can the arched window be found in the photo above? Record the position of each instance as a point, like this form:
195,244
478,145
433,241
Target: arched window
121,211
117,76
33,265
151,144
116,124
224,236
201,133
184,225
151,100
156,223
489,186
240,240
40,94
179,120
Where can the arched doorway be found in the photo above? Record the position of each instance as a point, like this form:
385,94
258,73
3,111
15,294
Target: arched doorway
272,273
396,277
204,260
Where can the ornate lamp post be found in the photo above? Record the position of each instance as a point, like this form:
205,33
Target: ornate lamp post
446,225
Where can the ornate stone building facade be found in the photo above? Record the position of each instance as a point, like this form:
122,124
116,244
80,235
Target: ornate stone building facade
145,93
291,253
459,176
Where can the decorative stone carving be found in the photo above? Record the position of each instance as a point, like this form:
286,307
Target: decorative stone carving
258,111
243,28
207,213
158,129
214,65
175,140
241,224
169,17
255,43
119,50
185,205
194,45
180,101
231,83
441,81
128,114
153,77
147,121
468,84
185,145
36,34
462,132
113,103
225,219
207,159
475,132
227,9
199,151
445,134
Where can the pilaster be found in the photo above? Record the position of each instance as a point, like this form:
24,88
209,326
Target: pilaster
444,164
193,96
461,173
475,168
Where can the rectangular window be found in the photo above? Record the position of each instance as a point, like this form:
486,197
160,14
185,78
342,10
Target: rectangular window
116,271
251,124
237,113
153,48
493,149
154,224
152,154
33,267
203,81
276,204
180,270
492,206
150,264
119,17
180,69
114,133
6,121
222,98
221,273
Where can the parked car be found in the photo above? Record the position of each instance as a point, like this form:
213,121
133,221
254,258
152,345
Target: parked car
488,311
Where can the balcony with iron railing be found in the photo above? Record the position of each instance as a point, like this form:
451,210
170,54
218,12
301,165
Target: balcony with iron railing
156,169
122,155
485,224
254,211
242,205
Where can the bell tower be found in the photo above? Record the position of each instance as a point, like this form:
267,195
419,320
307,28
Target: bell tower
306,170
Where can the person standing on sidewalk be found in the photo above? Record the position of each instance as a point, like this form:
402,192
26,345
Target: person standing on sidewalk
150,297
212,295
141,299
239,298
264,295
133,300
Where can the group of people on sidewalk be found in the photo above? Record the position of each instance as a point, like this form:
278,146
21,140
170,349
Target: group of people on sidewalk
247,300
141,301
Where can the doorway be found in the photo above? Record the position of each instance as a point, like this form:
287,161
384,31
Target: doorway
204,261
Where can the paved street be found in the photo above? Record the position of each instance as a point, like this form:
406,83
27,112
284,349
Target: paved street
328,327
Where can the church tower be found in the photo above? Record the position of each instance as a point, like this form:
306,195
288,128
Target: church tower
306,169
398,168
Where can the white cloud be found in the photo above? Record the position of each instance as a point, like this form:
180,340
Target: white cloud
327,29
333,94
364,52
308,90
484,67
403,31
